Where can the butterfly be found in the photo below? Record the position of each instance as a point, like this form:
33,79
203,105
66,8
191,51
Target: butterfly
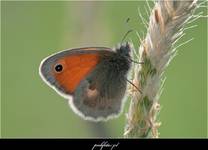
94,77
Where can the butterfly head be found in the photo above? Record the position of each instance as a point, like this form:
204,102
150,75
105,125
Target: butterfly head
124,49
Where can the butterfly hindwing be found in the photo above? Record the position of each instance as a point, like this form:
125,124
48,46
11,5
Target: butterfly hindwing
100,94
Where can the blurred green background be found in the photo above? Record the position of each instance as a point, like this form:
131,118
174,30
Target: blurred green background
31,31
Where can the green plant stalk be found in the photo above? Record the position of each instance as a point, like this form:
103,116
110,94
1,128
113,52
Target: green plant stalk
166,27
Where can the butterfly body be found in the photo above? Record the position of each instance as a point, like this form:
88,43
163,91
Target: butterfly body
95,77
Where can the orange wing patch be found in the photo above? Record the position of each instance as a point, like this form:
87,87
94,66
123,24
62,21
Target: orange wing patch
75,69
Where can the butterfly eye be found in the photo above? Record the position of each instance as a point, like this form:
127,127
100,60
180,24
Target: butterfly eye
58,68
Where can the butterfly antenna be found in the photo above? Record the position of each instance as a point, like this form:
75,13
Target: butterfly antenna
127,20
126,35
129,31
134,86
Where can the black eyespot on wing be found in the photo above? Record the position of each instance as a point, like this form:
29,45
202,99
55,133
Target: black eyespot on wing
58,68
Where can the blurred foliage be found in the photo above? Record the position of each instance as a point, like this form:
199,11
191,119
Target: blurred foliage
31,31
